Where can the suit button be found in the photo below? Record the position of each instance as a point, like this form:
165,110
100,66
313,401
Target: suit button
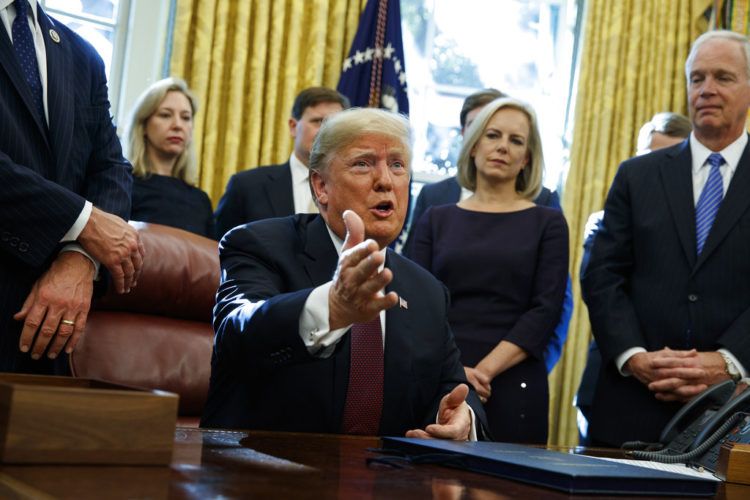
14,241
693,297
23,247
5,236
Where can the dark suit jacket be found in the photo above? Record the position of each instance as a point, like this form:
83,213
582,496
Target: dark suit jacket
449,191
262,376
646,287
256,194
46,173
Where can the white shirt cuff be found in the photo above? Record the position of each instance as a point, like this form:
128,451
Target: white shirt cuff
735,361
313,324
624,357
79,224
75,247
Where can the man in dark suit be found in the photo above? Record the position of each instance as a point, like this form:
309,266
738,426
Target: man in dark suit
65,190
662,131
280,190
667,283
319,326
449,191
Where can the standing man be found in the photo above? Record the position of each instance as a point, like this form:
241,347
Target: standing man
65,190
280,190
667,284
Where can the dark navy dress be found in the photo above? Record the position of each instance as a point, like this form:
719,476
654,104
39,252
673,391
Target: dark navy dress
506,273
170,201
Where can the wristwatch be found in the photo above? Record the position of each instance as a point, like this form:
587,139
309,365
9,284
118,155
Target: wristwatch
731,368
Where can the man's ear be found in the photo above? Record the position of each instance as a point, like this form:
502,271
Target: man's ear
319,188
292,127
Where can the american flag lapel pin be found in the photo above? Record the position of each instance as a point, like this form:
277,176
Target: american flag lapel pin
402,303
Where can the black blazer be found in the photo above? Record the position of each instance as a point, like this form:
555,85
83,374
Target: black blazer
47,172
256,194
645,286
262,376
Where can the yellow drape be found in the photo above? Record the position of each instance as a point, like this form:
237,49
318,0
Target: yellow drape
632,66
246,61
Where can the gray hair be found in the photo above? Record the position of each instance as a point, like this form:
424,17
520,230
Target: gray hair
185,167
340,129
718,35
529,180
667,123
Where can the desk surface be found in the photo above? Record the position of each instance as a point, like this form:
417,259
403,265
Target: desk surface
231,464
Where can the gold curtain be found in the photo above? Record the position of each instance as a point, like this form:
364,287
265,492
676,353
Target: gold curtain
246,60
632,66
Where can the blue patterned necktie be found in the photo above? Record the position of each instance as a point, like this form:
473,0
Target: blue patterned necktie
23,44
709,201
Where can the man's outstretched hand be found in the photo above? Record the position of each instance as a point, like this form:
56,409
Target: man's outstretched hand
454,418
355,295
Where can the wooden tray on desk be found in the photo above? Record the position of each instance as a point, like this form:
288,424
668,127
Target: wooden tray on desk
62,420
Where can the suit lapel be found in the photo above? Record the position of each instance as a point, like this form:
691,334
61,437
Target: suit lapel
60,98
9,63
319,257
677,180
398,348
280,192
734,205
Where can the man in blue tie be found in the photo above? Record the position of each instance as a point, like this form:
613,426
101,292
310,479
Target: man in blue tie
667,284
65,192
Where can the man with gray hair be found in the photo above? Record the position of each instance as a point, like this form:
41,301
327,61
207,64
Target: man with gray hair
667,285
319,326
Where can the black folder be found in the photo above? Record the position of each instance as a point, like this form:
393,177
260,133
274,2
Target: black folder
574,474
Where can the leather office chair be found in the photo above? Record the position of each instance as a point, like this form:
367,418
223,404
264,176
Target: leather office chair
159,336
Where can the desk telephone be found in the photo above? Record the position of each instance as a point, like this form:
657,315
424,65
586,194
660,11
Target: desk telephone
696,432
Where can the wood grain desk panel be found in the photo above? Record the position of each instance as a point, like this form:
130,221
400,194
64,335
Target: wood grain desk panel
230,464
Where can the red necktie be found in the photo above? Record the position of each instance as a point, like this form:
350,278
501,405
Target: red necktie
364,396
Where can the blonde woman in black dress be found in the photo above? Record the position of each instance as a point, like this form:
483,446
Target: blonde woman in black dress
505,262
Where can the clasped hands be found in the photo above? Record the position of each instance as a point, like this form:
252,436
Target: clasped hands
55,311
356,296
677,375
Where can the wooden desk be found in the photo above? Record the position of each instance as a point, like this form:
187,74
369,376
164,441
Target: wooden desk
230,464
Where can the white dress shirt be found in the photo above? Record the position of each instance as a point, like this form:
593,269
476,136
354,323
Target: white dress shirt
303,200
700,170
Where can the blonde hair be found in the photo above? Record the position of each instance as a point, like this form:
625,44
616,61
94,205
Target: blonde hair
529,180
340,129
185,168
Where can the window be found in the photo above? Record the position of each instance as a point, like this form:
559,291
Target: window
452,49
101,23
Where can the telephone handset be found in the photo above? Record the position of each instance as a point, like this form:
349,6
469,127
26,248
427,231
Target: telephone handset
695,418
696,432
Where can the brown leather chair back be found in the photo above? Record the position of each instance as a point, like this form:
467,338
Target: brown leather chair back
159,336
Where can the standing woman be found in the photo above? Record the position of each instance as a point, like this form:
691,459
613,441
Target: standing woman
505,262
160,147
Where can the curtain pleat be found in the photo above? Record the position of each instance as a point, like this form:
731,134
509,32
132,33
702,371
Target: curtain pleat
246,61
632,66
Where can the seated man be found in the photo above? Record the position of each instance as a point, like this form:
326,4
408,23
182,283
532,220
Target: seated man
321,328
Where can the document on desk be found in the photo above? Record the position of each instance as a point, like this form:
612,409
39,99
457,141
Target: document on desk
575,474
676,468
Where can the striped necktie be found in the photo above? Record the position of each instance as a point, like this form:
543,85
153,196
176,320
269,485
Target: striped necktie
709,201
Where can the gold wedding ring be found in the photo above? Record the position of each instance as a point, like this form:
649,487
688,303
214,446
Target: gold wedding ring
67,322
